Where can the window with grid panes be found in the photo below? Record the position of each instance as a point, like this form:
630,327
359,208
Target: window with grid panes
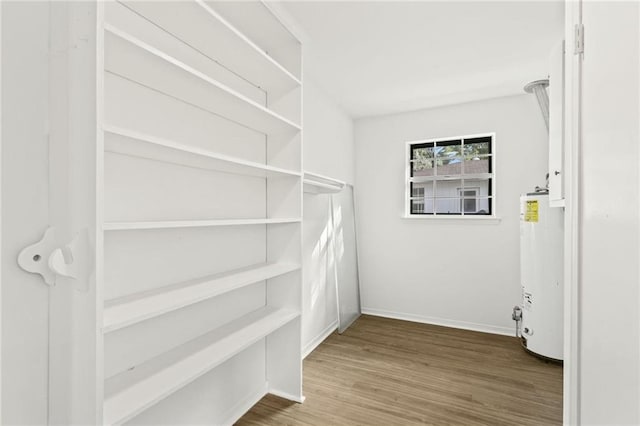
452,176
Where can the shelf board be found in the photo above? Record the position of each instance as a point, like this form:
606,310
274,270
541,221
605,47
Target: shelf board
268,73
154,148
208,32
129,311
317,184
262,22
131,392
132,226
133,59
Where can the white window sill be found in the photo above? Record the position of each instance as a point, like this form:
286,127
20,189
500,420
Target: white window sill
443,218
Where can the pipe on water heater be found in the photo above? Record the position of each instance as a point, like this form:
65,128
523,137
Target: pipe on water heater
539,88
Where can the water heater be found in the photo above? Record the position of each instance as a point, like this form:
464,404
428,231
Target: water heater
541,272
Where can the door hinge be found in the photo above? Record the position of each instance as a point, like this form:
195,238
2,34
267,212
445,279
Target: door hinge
579,39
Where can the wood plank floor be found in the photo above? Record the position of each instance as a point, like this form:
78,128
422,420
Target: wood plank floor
389,372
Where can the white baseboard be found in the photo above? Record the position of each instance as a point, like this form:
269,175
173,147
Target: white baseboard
484,328
285,395
239,410
309,347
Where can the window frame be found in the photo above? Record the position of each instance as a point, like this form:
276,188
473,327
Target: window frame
456,216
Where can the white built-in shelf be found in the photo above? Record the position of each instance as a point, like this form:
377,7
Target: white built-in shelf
129,142
261,22
132,226
122,313
133,391
249,60
201,27
140,62
318,184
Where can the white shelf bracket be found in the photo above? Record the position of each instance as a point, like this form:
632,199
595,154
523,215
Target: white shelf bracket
51,259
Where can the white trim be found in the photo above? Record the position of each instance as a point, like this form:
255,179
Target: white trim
571,371
296,398
315,342
1,127
471,176
463,325
448,138
471,218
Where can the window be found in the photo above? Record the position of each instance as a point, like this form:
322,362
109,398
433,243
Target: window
468,199
452,176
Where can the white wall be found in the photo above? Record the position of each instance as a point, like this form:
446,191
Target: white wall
328,135
609,329
461,273
329,151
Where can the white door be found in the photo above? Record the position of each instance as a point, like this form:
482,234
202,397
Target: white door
608,291
25,209
49,145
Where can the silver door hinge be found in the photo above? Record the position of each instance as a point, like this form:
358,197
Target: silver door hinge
579,39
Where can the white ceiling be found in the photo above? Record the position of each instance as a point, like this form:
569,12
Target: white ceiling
378,58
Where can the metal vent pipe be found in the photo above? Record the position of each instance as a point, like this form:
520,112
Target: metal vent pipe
539,88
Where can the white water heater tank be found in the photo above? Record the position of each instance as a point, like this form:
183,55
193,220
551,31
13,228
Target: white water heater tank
541,272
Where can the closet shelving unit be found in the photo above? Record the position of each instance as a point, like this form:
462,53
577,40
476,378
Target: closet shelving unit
202,182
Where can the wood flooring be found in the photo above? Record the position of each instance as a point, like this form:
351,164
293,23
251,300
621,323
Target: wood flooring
390,372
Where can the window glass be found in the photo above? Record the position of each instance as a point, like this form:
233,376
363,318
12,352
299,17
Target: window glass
451,176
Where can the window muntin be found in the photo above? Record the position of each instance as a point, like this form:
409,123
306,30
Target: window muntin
451,177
